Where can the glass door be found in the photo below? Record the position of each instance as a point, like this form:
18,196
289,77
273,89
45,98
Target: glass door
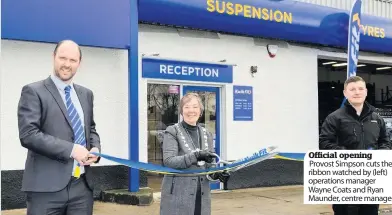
211,115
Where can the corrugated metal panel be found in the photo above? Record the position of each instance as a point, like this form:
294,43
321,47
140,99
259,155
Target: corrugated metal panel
380,8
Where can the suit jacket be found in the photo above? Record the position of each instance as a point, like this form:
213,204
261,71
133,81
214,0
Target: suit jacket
45,130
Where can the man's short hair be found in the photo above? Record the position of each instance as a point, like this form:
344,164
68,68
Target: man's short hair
353,79
61,42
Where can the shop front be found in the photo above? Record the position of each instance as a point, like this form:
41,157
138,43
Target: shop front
167,82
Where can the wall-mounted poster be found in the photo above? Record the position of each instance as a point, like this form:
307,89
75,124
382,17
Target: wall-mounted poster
243,103
386,113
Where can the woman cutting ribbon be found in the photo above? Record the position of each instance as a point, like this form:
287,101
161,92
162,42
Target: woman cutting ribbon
186,146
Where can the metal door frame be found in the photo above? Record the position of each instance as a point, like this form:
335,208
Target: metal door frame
216,90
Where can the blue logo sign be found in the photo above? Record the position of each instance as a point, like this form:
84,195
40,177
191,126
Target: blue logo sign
189,71
243,103
104,24
286,20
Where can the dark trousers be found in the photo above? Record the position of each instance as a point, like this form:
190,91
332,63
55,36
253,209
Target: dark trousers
75,199
355,209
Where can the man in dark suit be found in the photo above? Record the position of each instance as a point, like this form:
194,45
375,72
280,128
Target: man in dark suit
56,125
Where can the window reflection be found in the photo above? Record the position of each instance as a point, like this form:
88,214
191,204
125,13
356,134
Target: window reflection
162,102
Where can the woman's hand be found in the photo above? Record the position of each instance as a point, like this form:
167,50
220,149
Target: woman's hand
221,176
206,156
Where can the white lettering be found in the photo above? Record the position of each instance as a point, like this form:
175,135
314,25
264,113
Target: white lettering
243,91
355,44
207,72
215,72
170,69
162,69
184,71
177,70
197,71
189,71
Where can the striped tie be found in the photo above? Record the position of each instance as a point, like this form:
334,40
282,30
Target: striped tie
76,126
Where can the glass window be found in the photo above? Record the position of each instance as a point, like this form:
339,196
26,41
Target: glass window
162,102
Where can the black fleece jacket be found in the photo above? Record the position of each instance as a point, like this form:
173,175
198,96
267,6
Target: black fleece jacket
344,129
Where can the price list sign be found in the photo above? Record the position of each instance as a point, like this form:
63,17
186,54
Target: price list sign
243,103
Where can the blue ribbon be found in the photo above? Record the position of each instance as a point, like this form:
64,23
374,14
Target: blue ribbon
257,157
138,165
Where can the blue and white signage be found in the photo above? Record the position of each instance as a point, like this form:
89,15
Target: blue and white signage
286,20
243,103
354,34
189,71
104,24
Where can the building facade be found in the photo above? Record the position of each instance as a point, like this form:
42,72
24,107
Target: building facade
254,63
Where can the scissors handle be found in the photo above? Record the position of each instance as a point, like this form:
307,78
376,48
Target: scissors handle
220,161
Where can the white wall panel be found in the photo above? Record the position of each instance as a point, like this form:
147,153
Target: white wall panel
104,71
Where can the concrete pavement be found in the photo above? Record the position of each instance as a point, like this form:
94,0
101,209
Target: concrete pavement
256,201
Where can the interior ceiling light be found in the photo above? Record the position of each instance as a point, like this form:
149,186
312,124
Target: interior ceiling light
327,63
361,65
339,64
382,68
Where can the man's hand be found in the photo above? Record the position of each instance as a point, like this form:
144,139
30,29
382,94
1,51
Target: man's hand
80,154
91,157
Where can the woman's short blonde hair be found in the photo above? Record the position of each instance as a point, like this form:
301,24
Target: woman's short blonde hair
188,97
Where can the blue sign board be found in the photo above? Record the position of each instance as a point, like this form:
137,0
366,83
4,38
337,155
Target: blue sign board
103,23
189,71
243,103
282,19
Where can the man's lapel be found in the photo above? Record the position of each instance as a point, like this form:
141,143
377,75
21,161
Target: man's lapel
49,84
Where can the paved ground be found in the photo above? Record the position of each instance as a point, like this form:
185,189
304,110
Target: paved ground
256,201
